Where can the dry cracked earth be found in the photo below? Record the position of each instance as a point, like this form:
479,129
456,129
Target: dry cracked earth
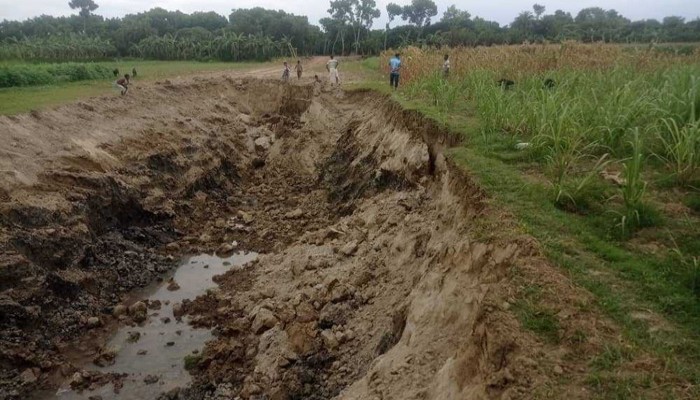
370,283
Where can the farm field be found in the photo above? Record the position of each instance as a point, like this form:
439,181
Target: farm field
457,237
22,99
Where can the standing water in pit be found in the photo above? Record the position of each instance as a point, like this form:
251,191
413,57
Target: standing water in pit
152,353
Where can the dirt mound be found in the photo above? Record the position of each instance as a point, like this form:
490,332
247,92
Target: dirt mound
372,283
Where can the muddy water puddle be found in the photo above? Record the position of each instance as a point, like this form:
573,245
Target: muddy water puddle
156,349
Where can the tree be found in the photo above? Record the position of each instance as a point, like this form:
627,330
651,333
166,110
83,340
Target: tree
455,18
419,13
359,14
393,10
86,7
538,9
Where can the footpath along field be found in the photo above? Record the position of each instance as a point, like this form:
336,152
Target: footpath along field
602,166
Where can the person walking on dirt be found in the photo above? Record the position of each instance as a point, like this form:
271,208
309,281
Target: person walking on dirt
395,66
446,67
123,84
285,72
332,68
299,69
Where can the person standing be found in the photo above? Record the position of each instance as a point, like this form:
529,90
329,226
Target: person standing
446,67
395,66
299,69
285,72
332,68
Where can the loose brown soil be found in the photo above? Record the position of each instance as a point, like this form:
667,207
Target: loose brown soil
372,283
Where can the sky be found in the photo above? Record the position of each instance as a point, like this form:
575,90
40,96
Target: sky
502,11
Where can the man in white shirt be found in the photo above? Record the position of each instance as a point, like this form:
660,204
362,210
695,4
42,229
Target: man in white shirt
332,68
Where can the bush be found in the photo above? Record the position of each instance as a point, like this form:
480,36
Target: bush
13,75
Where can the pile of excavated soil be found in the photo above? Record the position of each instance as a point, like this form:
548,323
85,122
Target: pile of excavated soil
371,283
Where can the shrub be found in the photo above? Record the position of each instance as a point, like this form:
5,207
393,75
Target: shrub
44,74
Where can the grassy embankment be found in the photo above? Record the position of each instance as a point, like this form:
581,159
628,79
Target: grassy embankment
15,100
603,169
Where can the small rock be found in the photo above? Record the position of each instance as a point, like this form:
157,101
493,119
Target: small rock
329,339
150,379
93,322
264,320
172,285
119,310
349,335
349,249
169,344
77,379
247,218
139,316
294,214
178,310
134,337
558,370
165,320
225,249
28,376
262,143
142,352
138,307
154,305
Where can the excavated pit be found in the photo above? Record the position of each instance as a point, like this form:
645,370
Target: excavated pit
368,284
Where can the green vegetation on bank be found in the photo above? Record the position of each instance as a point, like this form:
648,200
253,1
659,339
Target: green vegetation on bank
23,99
17,74
572,163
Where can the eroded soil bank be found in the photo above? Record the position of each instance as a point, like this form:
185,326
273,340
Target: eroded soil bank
370,284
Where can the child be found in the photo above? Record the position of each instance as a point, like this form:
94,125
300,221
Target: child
332,68
123,84
285,72
299,69
446,66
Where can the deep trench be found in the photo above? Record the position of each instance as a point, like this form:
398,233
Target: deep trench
118,234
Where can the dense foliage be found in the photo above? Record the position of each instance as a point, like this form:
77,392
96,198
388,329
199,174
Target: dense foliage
44,74
258,33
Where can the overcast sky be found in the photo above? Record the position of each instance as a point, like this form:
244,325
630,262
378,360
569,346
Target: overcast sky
502,11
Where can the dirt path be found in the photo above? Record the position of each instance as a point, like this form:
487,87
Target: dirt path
371,284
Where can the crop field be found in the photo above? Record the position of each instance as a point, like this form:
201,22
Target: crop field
601,163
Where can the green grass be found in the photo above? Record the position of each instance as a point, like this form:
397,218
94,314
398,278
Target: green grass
22,99
585,245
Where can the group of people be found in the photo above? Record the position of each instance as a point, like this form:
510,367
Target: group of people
395,69
332,68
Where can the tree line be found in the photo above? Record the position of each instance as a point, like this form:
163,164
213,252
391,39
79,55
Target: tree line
258,33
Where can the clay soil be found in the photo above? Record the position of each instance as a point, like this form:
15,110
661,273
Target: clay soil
371,284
